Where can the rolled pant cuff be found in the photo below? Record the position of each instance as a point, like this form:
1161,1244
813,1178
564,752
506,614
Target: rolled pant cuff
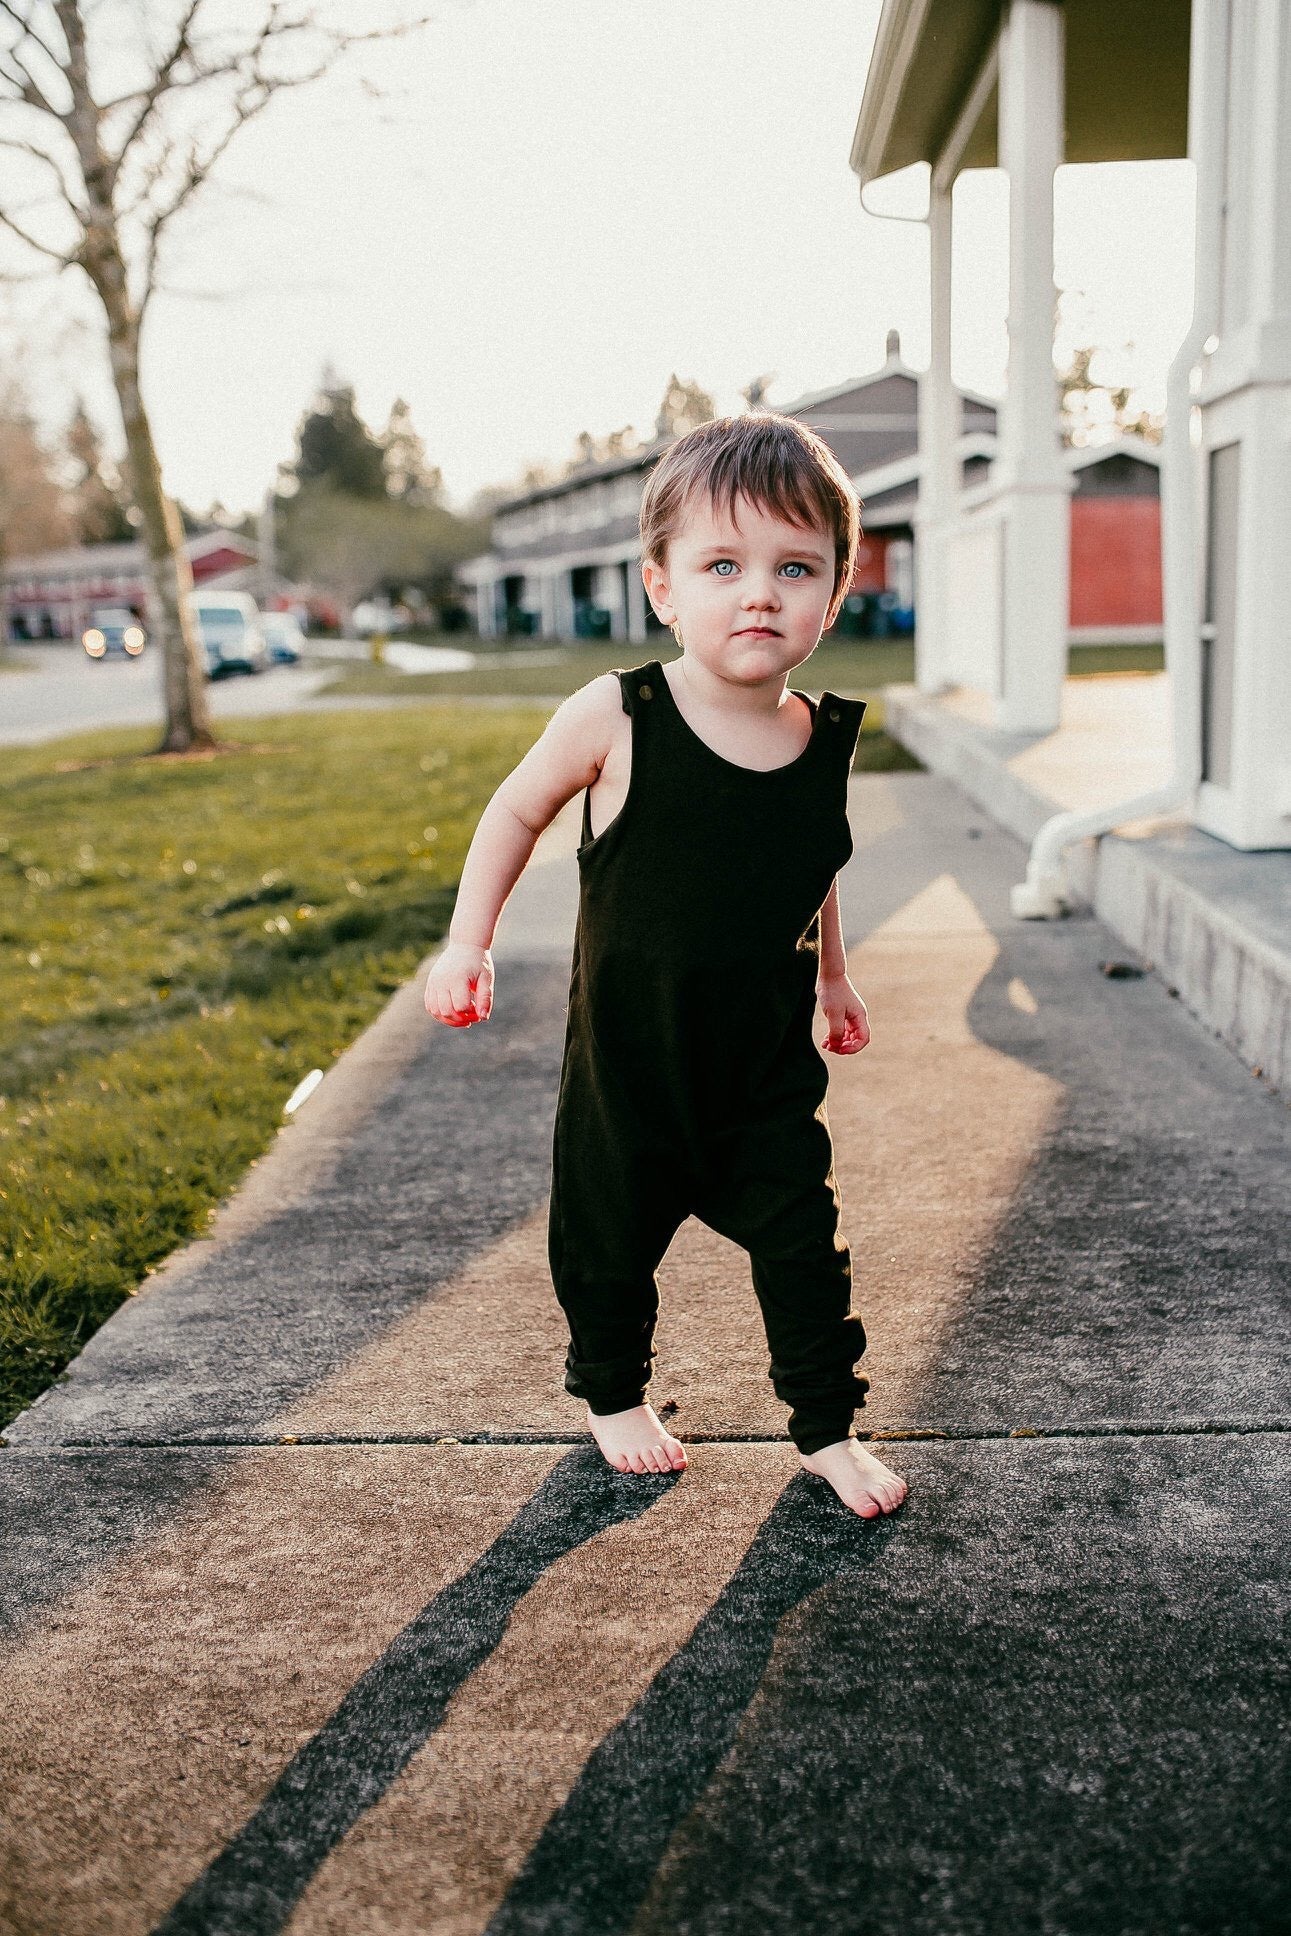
809,1441
624,1402
814,1426
602,1402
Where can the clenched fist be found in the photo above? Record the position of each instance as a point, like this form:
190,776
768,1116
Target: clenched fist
459,987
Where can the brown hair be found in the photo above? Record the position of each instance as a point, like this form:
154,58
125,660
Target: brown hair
775,462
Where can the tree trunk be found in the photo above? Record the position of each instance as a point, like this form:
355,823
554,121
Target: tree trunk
188,718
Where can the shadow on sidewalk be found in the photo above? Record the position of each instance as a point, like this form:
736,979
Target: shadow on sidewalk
253,1886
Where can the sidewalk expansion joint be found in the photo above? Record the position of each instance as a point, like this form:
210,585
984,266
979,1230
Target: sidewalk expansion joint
1141,1428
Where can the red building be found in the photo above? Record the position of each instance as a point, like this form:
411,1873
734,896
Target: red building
50,596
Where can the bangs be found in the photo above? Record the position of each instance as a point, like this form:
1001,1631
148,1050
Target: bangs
772,462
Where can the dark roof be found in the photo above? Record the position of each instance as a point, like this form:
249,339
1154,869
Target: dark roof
867,421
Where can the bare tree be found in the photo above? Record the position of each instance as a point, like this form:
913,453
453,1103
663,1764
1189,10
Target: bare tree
119,170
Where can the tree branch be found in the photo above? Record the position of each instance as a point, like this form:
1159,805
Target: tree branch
159,86
29,33
30,89
246,64
40,154
55,255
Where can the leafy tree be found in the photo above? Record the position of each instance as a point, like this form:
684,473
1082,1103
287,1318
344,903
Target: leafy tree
1087,406
684,407
353,546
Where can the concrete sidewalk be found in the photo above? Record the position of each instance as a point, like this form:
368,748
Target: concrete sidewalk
321,1617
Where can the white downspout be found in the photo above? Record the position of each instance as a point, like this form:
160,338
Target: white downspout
1044,893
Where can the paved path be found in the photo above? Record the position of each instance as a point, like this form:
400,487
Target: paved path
321,1618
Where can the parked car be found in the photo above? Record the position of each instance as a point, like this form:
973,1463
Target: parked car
283,636
113,633
232,632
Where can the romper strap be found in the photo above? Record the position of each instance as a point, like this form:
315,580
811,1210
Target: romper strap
841,719
640,686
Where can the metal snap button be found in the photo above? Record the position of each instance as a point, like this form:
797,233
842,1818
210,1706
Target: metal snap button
647,692
834,713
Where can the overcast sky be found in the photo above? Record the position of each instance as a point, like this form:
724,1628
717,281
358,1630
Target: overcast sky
558,203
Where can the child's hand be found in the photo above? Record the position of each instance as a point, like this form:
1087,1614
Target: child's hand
459,987
849,1024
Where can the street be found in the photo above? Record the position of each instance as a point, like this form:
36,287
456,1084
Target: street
59,690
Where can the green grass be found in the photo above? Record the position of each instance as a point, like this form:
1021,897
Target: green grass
181,941
847,666
861,666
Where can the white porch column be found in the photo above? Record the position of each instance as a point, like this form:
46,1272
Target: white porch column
636,603
486,608
939,428
1244,404
547,594
609,593
1033,487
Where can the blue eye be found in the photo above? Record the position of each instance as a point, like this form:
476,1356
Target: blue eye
793,565
721,561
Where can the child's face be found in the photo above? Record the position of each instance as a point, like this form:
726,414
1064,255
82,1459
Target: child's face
750,600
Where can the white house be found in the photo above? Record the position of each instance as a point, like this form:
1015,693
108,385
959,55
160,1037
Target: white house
1026,85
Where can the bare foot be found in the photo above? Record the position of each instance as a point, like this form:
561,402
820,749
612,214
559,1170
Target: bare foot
635,1441
861,1481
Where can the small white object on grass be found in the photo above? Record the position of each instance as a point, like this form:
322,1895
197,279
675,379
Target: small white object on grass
302,1092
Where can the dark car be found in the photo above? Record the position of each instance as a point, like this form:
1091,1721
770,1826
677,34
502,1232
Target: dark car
113,633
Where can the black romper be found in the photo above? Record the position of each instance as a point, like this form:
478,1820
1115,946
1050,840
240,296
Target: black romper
691,1082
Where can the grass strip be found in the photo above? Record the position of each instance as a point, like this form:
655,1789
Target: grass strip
180,941
557,667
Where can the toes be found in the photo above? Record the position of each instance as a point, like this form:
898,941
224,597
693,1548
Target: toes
654,1459
620,1460
637,1462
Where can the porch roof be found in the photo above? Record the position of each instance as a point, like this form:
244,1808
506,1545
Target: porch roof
1126,85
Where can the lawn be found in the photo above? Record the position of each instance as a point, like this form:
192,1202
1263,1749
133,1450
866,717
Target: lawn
181,941
550,667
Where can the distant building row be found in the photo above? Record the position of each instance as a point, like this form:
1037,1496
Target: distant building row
565,559
51,595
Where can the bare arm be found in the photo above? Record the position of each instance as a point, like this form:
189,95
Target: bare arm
565,758
833,954
848,1018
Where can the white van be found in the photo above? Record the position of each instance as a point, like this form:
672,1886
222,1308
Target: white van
231,632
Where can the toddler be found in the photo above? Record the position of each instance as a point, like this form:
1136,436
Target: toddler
714,825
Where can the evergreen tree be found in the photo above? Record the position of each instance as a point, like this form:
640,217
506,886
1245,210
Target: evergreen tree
97,500
335,446
34,514
409,476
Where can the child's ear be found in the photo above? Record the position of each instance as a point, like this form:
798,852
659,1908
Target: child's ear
655,579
